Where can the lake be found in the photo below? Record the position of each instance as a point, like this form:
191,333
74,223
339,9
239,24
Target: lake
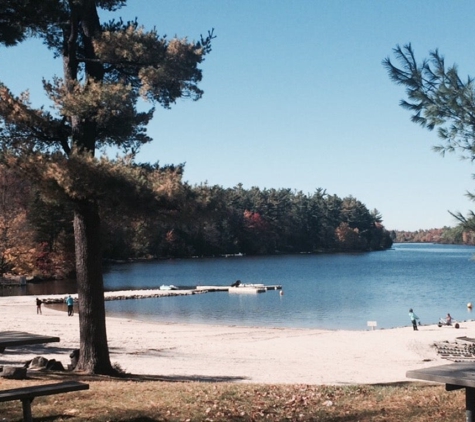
334,291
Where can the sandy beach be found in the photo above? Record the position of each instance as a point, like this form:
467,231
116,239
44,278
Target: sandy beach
233,353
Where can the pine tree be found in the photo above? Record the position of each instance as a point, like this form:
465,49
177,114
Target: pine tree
108,67
438,98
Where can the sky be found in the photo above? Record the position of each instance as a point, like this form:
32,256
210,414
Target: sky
296,96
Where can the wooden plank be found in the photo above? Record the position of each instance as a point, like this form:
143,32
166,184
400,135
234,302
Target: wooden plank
462,374
29,393
20,338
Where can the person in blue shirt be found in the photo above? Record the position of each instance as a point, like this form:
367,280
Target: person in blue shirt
414,319
70,303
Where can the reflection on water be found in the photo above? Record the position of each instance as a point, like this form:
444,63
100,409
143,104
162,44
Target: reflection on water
340,291
41,288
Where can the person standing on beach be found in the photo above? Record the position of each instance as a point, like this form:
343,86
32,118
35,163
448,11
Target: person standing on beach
70,303
38,306
414,319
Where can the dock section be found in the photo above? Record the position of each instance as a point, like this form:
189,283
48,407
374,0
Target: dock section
154,293
226,288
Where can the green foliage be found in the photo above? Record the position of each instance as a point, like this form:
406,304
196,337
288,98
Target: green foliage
461,234
21,18
223,221
438,98
148,212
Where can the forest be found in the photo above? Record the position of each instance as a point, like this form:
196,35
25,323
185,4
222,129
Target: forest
460,234
37,236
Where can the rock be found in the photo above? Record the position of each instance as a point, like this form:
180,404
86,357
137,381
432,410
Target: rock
74,355
54,365
13,372
38,362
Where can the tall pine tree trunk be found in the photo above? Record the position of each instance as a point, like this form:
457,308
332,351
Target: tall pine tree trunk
94,351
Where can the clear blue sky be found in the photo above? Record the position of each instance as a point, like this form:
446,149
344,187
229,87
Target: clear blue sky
296,97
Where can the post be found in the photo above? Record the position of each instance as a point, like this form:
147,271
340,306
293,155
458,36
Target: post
469,404
26,404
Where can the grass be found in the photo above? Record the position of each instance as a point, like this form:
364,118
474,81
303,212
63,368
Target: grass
148,399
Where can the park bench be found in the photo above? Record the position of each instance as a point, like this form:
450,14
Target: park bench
27,394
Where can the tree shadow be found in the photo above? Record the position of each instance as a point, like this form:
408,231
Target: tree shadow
394,384
36,349
125,377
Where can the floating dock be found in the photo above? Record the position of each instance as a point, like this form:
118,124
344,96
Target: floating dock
235,289
153,293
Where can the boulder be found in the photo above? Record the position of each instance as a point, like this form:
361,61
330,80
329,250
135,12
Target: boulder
13,372
54,365
41,363
38,362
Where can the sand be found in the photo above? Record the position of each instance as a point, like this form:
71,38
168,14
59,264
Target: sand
234,353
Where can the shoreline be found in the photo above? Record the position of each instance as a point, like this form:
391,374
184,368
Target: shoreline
236,353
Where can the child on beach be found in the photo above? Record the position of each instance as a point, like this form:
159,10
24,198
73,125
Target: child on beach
414,319
70,303
38,306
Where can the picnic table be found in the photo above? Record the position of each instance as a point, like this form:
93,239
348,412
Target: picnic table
27,394
21,338
455,376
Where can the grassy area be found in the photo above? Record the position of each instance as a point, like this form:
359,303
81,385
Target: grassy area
151,399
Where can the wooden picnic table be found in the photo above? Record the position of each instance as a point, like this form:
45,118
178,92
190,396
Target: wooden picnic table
455,376
27,394
21,338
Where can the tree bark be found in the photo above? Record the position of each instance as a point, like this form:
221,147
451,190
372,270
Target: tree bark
94,350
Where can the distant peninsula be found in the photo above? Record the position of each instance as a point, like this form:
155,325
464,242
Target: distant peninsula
446,235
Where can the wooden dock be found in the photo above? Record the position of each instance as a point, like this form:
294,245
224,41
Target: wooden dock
226,288
155,293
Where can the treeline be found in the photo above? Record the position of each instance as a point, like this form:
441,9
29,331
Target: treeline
448,235
36,234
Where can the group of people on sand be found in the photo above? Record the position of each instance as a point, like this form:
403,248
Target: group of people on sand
415,319
69,302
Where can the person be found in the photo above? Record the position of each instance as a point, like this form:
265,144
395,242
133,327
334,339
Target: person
70,303
448,319
38,306
414,319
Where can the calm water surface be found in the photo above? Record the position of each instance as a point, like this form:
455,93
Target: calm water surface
341,291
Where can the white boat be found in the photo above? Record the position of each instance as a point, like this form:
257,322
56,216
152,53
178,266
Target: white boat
169,287
248,288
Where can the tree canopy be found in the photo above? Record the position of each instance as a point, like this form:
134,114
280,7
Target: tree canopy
190,221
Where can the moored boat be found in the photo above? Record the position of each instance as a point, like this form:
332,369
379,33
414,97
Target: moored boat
168,287
248,288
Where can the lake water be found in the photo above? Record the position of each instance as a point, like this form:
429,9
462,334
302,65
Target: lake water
338,291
